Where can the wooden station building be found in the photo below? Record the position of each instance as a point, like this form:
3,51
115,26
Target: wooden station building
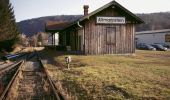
107,30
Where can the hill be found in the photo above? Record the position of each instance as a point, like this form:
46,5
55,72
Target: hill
32,26
153,21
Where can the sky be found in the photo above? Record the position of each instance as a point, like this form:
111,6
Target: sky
27,9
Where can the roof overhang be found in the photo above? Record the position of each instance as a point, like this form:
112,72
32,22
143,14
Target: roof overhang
116,4
53,27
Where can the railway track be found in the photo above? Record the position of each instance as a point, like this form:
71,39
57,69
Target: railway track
16,61
31,81
6,73
9,67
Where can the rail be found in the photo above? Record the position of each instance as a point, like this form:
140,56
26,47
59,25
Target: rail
4,94
7,68
56,92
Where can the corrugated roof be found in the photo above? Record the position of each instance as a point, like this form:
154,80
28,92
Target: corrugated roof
153,31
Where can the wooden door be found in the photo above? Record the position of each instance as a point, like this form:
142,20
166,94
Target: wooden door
111,40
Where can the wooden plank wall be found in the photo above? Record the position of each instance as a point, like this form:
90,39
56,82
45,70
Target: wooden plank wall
73,40
95,36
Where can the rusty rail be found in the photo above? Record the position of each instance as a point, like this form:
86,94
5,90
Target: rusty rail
4,94
58,94
7,68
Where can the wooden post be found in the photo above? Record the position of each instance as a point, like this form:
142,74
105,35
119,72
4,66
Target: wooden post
54,39
68,66
68,60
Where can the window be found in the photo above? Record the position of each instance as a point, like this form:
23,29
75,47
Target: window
111,35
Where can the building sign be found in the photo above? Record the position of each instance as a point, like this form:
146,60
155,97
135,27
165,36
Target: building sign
110,20
167,38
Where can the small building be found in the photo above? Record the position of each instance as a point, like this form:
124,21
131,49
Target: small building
153,36
107,30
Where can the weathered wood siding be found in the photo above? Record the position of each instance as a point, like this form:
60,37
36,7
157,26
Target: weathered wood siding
81,39
95,35
73,39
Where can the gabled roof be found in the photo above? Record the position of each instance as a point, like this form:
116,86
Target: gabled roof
153,31
112,3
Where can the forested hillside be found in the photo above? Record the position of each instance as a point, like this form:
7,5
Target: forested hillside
153,21
33,26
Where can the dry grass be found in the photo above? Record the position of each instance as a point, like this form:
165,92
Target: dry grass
143,76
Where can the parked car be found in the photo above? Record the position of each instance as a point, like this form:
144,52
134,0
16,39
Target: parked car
145,47
163,44
159,47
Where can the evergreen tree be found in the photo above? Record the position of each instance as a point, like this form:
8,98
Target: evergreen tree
8,27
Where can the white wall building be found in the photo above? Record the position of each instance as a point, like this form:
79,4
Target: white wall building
154,36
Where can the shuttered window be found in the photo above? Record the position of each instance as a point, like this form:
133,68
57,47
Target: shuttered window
111,35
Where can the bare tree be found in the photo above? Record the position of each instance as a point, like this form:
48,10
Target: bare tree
42,38
33,41
23,40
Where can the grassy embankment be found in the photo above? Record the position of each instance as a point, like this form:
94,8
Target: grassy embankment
143,76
